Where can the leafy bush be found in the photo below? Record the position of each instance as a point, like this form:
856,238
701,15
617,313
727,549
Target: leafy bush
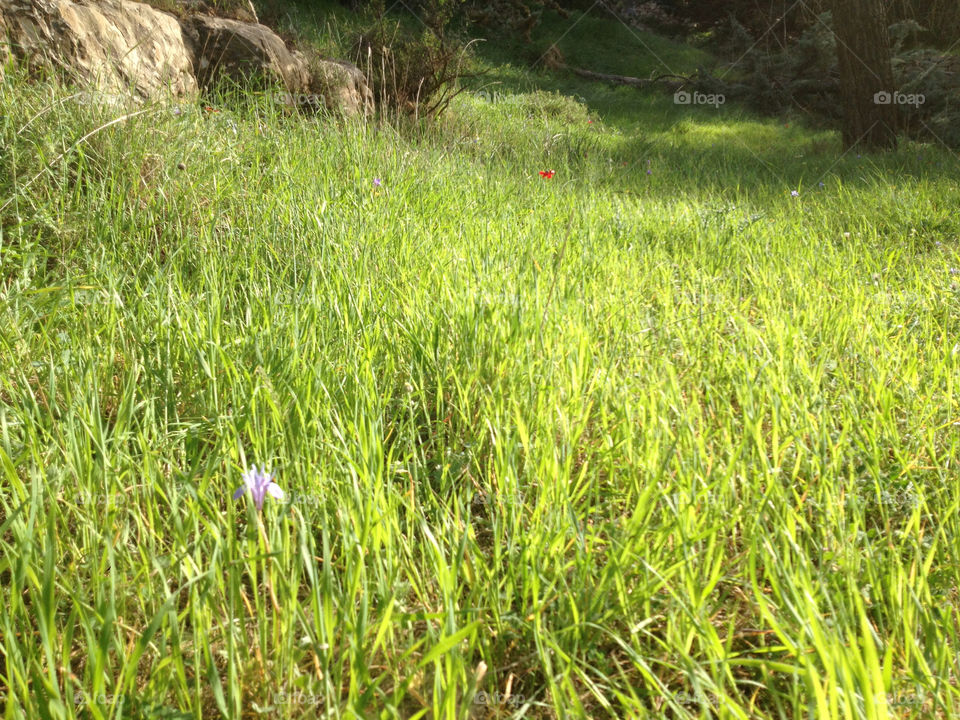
803,75
435,14
410,73
939,20
935,77
517,16
780,21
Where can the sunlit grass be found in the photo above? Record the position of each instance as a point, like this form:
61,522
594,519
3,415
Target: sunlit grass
653,438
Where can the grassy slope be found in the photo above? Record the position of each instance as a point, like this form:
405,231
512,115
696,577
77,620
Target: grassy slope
651,439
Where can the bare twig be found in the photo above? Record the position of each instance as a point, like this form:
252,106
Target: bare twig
627,80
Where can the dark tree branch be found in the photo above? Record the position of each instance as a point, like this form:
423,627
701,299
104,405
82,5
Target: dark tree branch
631,81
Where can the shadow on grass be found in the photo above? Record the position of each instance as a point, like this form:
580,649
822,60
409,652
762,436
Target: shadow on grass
666,147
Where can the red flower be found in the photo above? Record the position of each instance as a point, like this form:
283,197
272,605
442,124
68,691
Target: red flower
547,174
210,109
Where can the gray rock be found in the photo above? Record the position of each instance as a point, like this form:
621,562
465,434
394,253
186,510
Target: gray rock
344,87
114,45
245,52
121,48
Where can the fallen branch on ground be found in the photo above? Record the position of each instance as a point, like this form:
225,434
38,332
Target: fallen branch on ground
669,79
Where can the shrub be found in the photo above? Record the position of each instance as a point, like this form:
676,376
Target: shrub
803,75
779,21
411,73
936,77
517,16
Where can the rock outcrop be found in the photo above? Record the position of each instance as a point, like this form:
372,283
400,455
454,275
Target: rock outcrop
245,52
115,45
236,9
343,86
121,46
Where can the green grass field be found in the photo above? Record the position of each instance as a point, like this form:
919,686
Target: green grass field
654,438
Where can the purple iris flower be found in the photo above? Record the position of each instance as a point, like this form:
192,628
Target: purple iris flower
259,483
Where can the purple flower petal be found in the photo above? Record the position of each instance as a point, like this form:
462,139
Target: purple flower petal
259,483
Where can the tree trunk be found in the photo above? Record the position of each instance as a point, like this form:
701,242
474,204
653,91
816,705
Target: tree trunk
866,74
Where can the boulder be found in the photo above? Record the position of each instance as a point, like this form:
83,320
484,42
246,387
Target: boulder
120,48
343,86
4,47
115,45
245,52
236,9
